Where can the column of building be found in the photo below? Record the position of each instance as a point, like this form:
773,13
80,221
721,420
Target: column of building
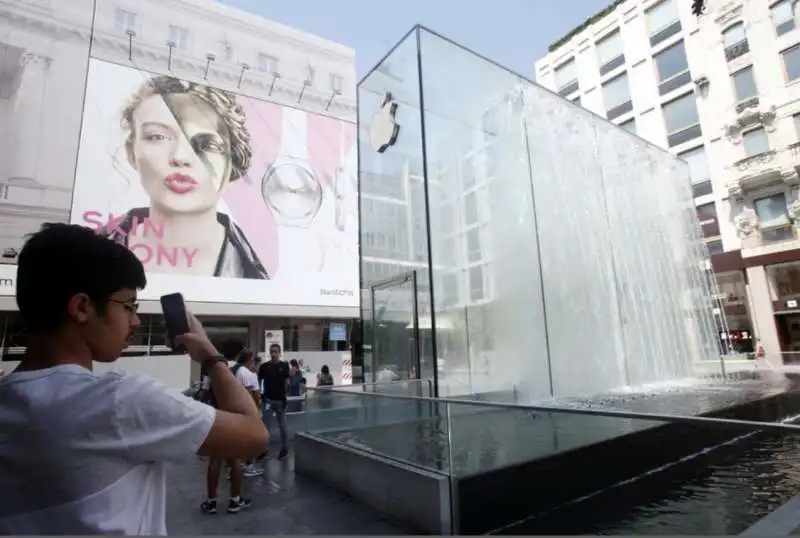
27,115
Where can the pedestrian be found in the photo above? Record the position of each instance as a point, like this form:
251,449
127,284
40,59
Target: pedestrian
102,439
274,377
237,471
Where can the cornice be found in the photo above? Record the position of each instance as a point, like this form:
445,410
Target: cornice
183,65
264,31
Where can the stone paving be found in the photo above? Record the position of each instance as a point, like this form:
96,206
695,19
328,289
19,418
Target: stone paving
282,504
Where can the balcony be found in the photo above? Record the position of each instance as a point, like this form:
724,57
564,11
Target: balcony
764,170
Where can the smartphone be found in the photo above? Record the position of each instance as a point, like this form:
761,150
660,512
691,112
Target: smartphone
175,318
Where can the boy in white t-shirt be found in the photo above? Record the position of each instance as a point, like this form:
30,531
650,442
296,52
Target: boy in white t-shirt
112,433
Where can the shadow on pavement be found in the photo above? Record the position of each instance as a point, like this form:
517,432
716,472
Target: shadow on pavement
282,504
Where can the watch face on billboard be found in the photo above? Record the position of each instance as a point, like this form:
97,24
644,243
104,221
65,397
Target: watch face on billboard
223,197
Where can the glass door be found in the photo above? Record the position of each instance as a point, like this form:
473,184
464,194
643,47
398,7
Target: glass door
395,329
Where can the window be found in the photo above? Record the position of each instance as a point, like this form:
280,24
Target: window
791,62
755,142
474,244
567,78
698,164
744,84
179,36
672,67
268,64
774,218
681,119
470,209
715,247
663,21
617,96
629,125
476,283
783,16
699,172
735,40
610,52
707,213
337,83
124,20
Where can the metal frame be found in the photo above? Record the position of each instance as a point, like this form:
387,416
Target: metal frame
393,282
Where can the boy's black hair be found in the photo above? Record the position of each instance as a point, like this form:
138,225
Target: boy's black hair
275,345
61,260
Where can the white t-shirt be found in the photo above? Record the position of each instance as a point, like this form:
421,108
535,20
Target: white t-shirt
247,378
84,453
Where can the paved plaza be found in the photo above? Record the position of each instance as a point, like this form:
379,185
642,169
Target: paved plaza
282,504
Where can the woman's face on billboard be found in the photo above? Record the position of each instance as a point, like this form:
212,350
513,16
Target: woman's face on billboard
181,149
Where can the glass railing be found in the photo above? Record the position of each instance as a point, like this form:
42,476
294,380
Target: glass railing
527,450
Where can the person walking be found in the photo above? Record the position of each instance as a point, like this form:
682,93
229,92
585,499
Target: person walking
274,378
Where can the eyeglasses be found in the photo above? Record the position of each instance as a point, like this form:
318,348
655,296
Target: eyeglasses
131,307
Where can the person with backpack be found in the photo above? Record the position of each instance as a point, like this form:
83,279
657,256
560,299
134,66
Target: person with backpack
243,374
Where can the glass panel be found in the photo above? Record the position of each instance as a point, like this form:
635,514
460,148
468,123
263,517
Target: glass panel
755,142
395,228
680,113
662,15
409,431
605,252
791,62
744,84
734,35
671,61
394,344
616,91
507,291
566,73
621,264
771,211
491,445
698,164
610,47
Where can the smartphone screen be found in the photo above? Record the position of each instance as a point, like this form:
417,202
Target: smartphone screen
175,317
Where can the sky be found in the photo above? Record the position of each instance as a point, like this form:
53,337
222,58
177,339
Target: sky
514,35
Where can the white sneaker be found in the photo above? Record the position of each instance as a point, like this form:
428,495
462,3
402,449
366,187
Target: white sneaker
251,470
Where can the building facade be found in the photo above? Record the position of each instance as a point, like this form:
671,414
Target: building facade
60,60
721,92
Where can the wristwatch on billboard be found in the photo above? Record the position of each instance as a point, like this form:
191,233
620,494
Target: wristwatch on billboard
290,188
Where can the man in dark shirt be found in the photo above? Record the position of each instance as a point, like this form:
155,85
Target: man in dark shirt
273,376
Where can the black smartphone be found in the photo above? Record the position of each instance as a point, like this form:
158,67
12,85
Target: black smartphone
175,318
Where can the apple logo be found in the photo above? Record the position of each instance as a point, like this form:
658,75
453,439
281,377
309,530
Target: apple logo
383,129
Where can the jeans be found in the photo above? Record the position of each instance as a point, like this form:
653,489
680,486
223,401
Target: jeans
278,408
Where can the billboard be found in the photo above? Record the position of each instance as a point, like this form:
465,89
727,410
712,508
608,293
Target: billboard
223,197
